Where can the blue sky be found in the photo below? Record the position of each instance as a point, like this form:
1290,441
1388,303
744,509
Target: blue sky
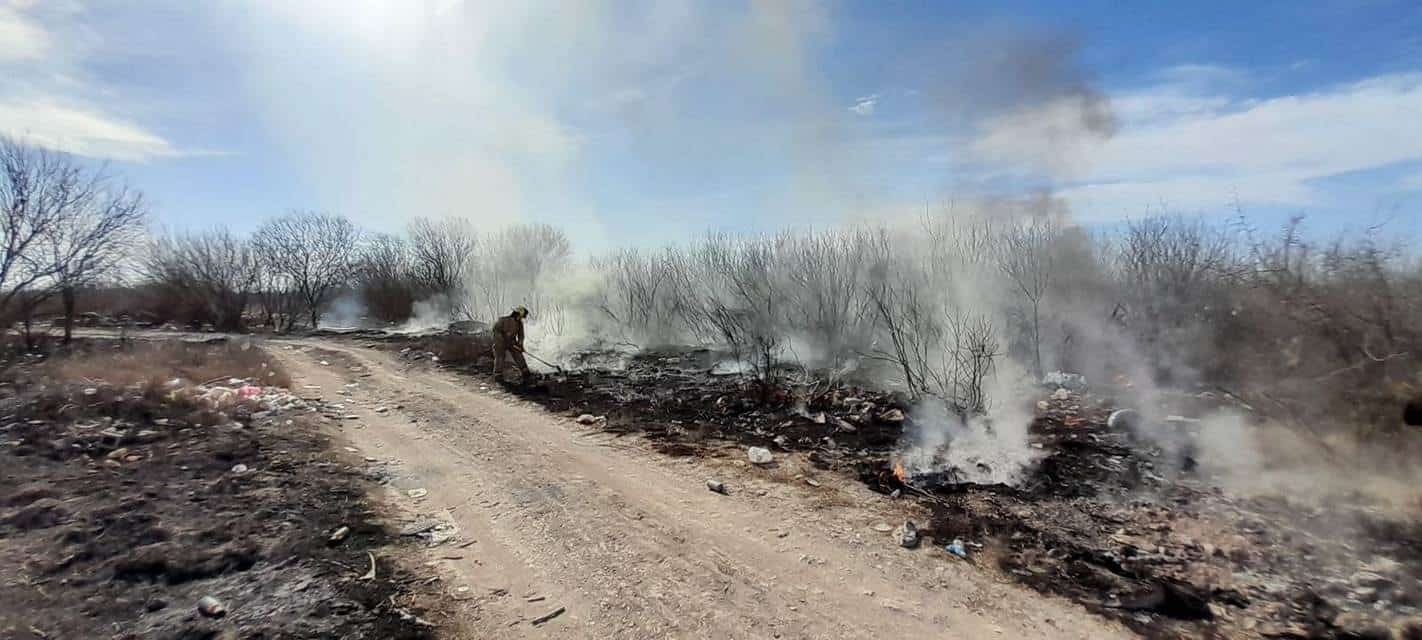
641,122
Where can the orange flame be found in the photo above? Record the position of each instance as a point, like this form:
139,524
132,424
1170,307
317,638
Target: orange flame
899,472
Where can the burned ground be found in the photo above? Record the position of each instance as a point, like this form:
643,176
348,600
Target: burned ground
1129,530
124,505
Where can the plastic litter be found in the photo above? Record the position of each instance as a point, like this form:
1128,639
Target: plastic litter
956,548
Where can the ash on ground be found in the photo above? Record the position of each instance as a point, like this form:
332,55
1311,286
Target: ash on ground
1132,528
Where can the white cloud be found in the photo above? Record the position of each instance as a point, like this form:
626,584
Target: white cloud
21,39
46,98
1207,152
81,131
865,105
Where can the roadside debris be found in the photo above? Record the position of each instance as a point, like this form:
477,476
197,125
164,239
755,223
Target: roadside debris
1123,419
956,548
548,616
760,455
211,607
370,575
907,535
590,419
1064,380
417,493
717,486
338,536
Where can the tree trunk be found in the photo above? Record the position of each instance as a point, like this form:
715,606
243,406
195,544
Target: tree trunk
29,333
1037,337
70,298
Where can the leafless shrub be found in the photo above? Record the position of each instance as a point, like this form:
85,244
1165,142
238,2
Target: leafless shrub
443,255
634,295
384,277
1173,282
1025,254
826,301
937,349
1339,326
514,265
203,278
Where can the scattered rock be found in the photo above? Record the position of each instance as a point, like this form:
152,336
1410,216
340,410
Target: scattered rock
760,455
1370,579
118,454
1382,565
1408,629
1356,624
907,535
239,468
892,416
419,527
211,607
590,419
417,493
812,482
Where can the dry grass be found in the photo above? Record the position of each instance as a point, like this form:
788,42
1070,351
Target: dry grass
152,364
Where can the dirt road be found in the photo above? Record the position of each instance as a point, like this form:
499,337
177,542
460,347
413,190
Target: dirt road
631,544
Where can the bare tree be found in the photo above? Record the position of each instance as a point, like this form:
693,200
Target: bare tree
92,241
39,189
442,261
204,277
275,294
632,293
315,251
1025,255
513,264
384,277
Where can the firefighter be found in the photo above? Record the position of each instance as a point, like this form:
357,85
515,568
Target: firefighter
508,340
